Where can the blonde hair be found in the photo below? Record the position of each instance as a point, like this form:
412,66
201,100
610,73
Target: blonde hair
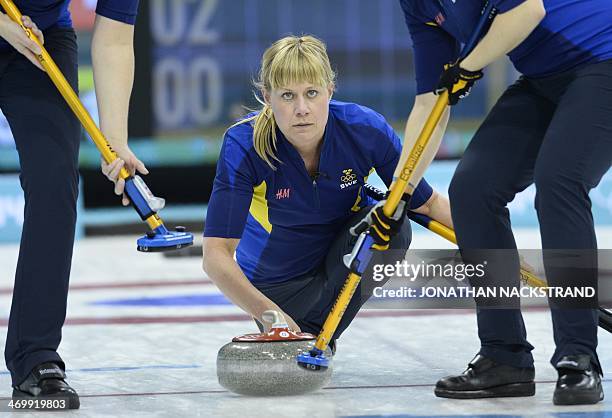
292,59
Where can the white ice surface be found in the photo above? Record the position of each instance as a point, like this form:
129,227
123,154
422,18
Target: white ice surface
385,365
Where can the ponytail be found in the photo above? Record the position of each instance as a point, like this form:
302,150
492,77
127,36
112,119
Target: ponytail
264,136
264,133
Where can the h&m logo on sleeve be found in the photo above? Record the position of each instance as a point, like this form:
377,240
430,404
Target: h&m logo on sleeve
283,193
348,178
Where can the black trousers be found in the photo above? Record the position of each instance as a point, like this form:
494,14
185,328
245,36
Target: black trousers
47,137
309,299
555,132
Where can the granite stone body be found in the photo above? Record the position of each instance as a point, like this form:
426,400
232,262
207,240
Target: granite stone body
269,368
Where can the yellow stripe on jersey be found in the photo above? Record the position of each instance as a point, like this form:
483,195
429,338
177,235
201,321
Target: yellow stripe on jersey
259,206
431,24
356,207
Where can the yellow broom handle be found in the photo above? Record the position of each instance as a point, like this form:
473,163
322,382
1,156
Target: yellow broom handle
73,101
335,315
398,188
66,90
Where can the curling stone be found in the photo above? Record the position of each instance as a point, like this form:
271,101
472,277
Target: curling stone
265,364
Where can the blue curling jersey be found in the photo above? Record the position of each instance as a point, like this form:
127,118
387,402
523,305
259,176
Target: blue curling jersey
48,13
285,219
573,33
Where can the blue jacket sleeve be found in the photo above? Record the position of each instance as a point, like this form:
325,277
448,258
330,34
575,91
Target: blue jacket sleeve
120,10
232,193
432,48
385,166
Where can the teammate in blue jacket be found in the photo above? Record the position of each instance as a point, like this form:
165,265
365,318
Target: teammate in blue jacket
553,127
47,136
288,187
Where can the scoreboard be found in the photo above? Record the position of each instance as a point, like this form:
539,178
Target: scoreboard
205,53
187,75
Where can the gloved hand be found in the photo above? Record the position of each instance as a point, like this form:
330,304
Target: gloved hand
381,227
457,81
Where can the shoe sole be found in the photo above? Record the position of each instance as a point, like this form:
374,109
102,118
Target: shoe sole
71,402
504,391
577,398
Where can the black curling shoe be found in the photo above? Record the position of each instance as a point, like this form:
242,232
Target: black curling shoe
45,388
578,382
485,378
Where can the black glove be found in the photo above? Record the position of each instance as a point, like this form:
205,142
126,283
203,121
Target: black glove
381,227
457,81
